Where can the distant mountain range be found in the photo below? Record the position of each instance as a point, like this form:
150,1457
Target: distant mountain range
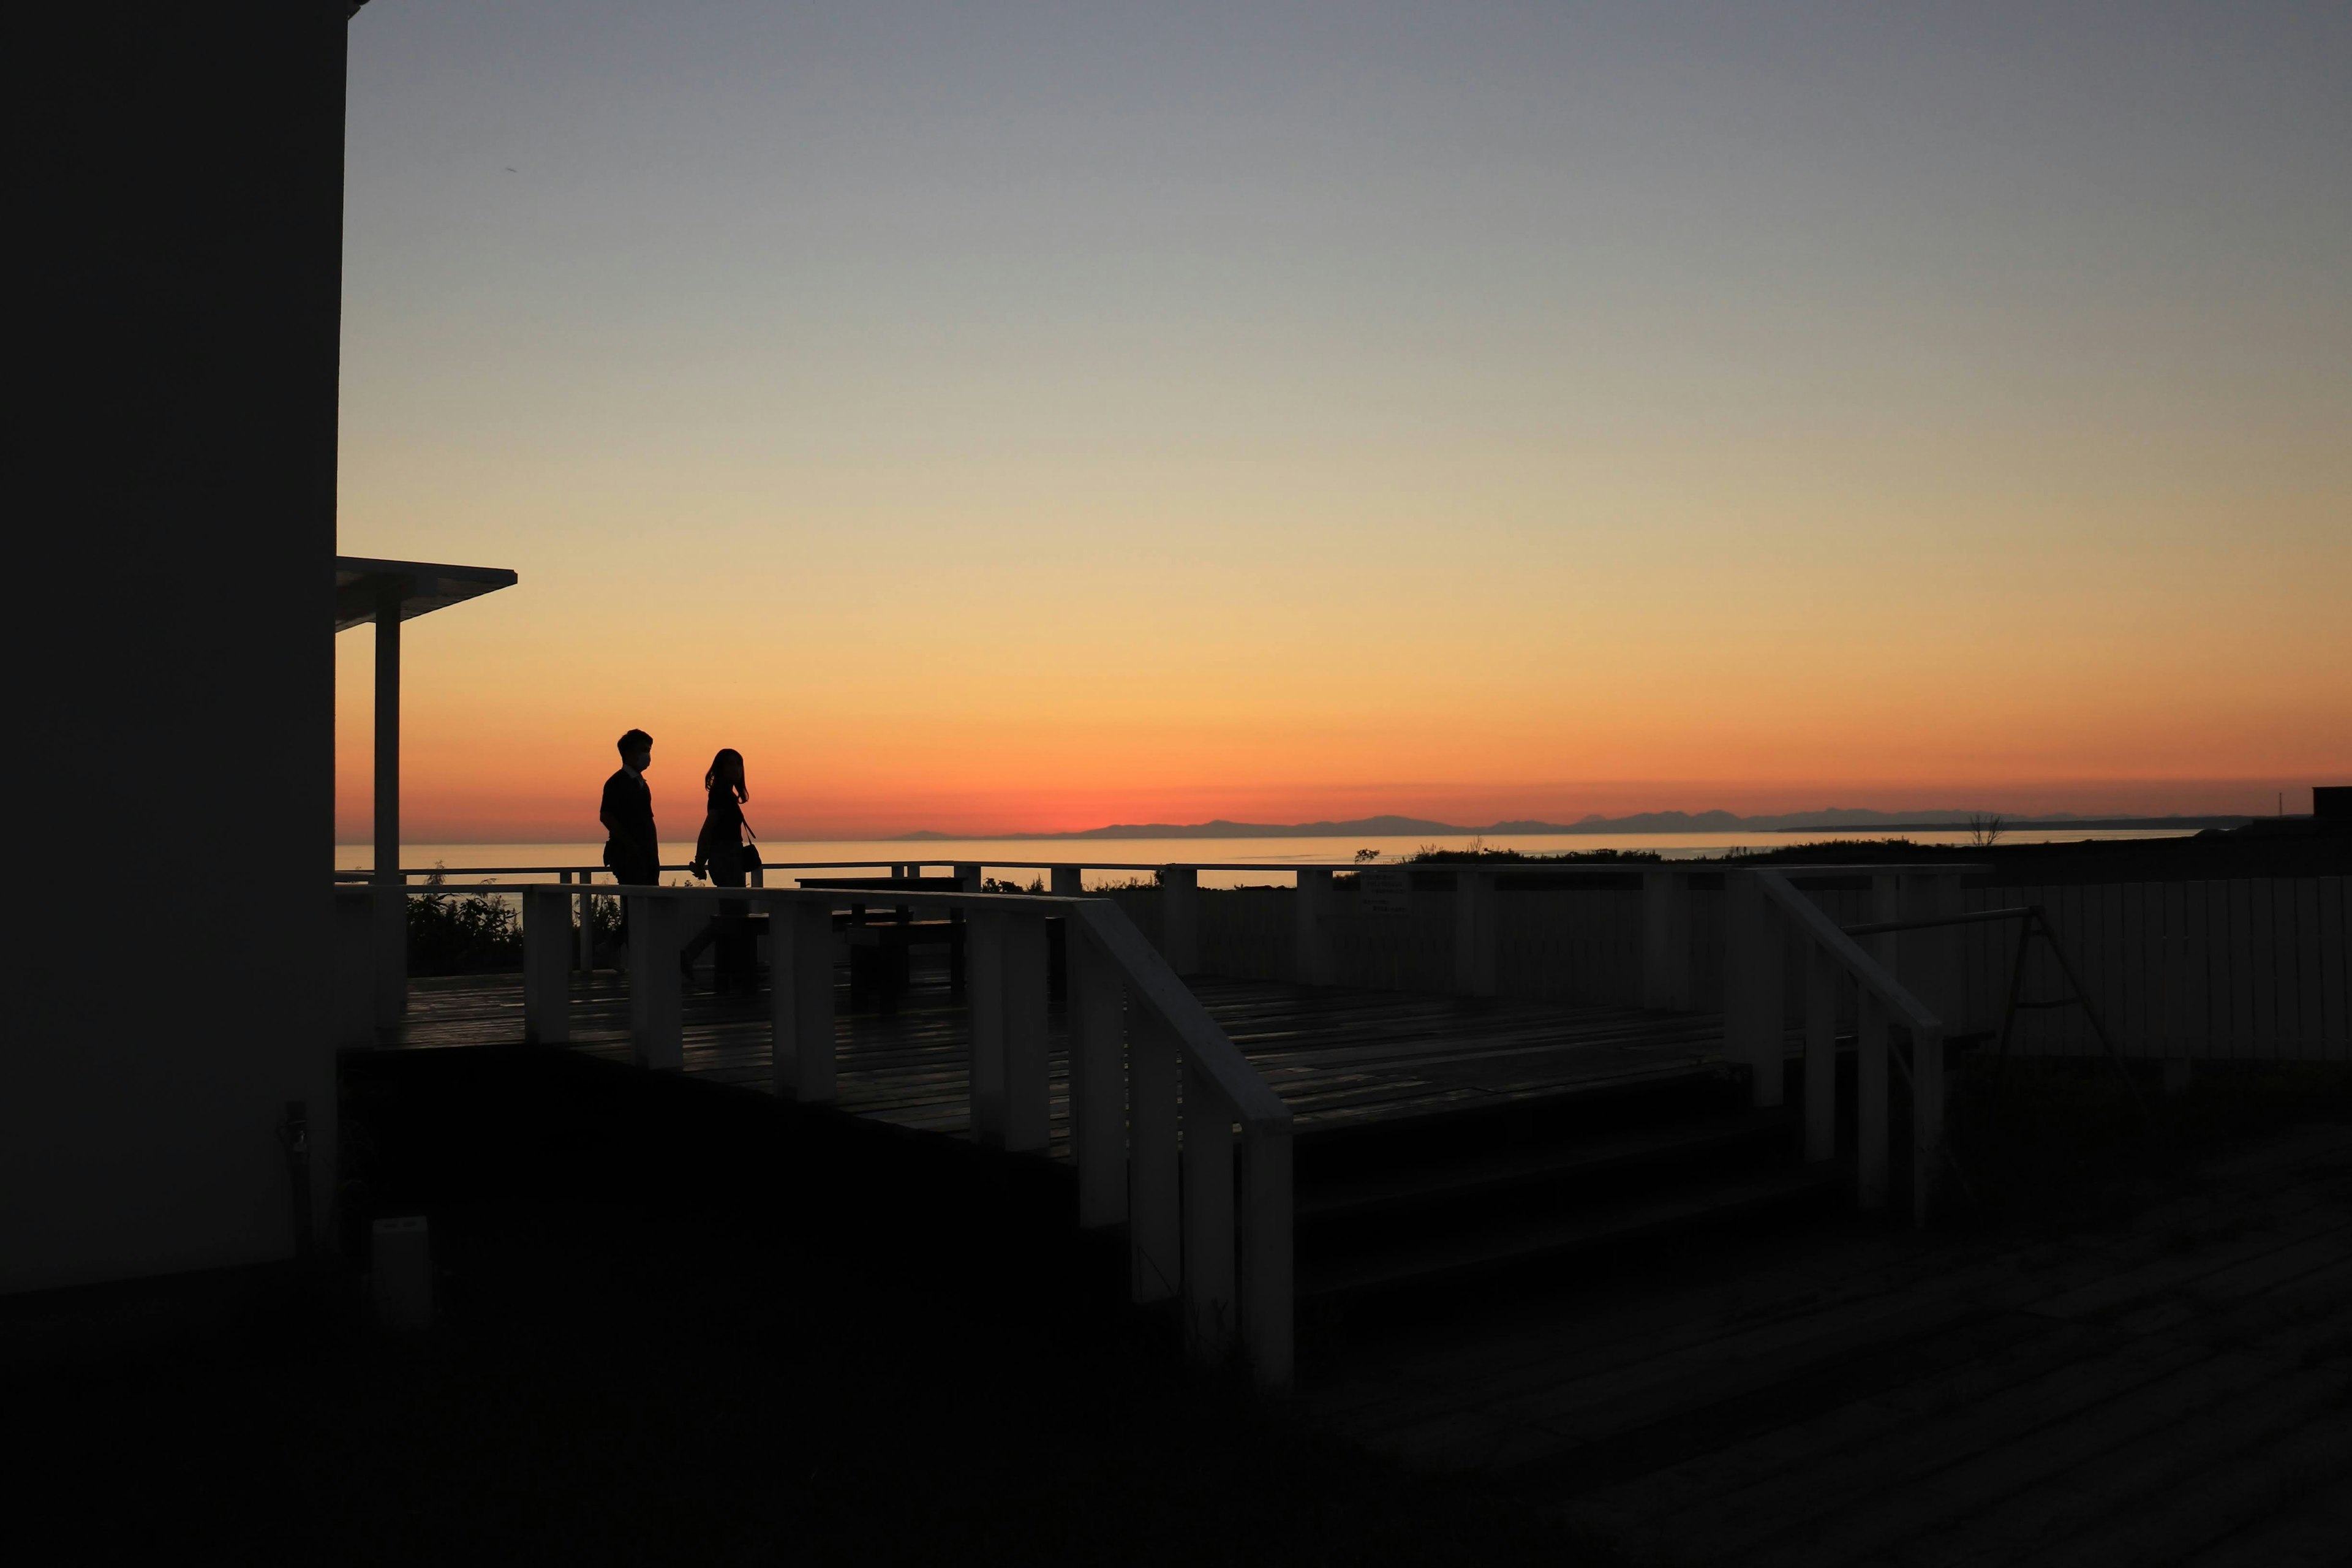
1836,819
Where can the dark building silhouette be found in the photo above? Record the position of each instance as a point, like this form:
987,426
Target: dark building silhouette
183,210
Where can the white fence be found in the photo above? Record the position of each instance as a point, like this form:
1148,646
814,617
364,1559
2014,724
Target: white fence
2246,970
2250,969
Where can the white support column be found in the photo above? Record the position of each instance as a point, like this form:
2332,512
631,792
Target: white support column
546,966
800,999
1665,938
392,902
1155,1230
1209,1309
1097,1080
1068,881
983,990
1028,1091
1315,966
1926,1119
1474,932
1180,918
1820,1055
1268,1294
1870,1103
1752,957
656,1020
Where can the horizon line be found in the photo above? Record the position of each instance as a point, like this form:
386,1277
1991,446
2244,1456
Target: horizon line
1823,819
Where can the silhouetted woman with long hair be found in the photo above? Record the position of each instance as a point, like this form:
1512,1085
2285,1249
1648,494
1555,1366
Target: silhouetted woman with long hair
718,854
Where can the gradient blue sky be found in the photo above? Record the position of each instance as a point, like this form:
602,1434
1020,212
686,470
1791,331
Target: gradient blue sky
1024,417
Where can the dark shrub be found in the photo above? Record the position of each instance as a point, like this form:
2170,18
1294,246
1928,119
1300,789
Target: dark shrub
479,933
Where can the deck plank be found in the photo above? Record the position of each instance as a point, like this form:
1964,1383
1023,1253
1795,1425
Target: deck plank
2169,1387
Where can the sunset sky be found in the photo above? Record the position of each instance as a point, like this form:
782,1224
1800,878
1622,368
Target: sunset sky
1015,418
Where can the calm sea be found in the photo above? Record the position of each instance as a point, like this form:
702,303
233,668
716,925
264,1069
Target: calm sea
1119,859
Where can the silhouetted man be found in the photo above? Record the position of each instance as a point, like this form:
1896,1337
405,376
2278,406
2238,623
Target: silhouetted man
631,850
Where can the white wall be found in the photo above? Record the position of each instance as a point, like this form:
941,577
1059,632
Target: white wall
172,659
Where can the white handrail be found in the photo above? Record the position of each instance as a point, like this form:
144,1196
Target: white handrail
1864,970
1254,1102
1881,998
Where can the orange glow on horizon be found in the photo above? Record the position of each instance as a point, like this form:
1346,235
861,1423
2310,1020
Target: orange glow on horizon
520,760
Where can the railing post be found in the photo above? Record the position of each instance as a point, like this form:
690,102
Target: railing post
1180,918
1870,1100
1027,1104
1268,1294
1927,1119
1885,904
390,960
966,878
1665,938
983,989
587,927
587,930
1154,1230
800,999
1208,1200
1097,1080
1315,897
546,966
1474,932
1752,955
354,967
657,1031
1069,881
1821,1054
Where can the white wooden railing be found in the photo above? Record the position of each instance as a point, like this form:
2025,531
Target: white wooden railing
1667,979
1766,913
1157,1089
2257,968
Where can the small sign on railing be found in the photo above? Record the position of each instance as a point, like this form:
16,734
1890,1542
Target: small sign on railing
1384,891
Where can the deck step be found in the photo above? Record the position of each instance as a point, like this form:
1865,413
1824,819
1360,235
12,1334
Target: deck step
1475,1250
1481,1124
1420,1183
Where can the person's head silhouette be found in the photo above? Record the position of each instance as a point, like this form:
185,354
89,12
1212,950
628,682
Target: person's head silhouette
727,770
637,750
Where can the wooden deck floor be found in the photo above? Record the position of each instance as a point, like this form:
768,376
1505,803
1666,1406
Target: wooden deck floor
2177,1392
1334,1055
1827,1392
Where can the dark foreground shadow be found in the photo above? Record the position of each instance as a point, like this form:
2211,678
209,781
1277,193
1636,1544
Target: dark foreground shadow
679,1323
